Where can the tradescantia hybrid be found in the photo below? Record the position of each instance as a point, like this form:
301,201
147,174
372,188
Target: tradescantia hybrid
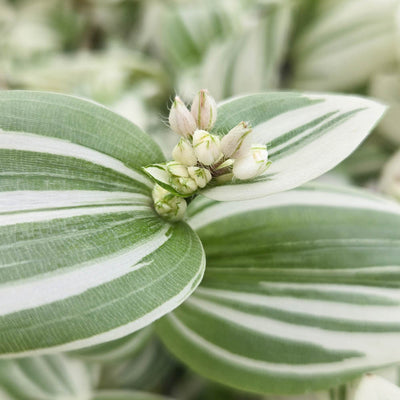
86,257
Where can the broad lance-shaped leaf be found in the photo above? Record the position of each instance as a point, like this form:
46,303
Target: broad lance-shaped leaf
84,258
306,136
301,291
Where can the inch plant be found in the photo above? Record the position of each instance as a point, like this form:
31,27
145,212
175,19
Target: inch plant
101,236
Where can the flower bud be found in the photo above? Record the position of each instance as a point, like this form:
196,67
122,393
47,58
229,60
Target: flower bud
204,110
232,144
183,152
200,175
180,119
159,193
254,163
167,205
182,185
206,147
177,169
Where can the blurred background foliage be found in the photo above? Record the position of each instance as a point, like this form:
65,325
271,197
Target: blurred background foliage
134,56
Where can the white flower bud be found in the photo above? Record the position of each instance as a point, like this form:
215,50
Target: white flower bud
200,175
204,110
185,186
233,142
177,169
184,153
168,205
180,119
254,163
206,147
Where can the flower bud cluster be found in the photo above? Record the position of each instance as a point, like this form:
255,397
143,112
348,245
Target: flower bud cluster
201,157
168,205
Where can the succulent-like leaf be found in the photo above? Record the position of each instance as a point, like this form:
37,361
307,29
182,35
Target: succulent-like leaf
306,135
84,258
301,291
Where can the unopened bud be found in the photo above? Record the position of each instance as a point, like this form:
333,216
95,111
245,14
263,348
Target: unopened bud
254,163
177,169
204,110
206,147
180,119
232,144
200,175
184,186
184,153
167,205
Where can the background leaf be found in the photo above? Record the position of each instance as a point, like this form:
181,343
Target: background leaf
347,43
297,128
84,257
116,350
49,377
301,291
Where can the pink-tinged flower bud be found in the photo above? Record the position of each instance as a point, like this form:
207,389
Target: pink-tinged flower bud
254,163
206,147
180,119
183,152
233,143
204,110
200,175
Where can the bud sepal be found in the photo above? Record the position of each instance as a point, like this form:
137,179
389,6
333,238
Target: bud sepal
206,147
253,164
180,119
204,110
233,144
184,153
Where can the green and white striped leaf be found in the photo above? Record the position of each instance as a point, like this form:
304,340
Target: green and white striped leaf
346,44
301,291
84,258
181,32
152,367
50,377
116,350
263,44
306,136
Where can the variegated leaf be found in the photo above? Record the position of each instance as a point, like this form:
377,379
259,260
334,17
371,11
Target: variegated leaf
116,350
301,291
347,43
51,377
306,135
84,257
